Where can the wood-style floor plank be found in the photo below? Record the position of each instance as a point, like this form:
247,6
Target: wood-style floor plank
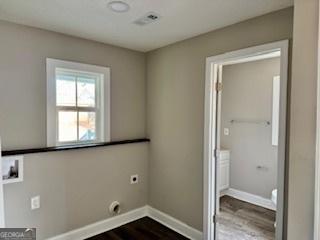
244,221
142,229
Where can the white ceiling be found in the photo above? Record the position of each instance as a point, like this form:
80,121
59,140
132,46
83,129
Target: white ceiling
92,19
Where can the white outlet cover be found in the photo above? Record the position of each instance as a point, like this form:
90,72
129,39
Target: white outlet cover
35,202
134,179
226,131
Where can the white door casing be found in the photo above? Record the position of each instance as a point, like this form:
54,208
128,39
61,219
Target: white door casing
1,194
209,156
317,156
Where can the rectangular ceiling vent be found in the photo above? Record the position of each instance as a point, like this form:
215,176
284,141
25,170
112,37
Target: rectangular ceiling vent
147,19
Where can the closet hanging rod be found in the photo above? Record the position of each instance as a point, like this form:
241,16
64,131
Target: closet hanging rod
250,121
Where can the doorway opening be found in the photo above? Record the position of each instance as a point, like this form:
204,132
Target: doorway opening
245,143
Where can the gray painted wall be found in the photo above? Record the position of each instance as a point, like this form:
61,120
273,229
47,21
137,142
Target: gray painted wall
176,79
23,83
247,94
76,187
303,120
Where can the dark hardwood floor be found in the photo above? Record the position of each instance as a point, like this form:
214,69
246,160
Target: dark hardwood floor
142,229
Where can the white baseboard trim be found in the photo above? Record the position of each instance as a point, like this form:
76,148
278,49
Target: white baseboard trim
117,221
103,226
250,198
174,224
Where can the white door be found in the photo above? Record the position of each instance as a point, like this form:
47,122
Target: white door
1,194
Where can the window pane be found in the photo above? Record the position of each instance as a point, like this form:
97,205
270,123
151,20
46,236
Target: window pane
86,91
67,126
87,126
66,90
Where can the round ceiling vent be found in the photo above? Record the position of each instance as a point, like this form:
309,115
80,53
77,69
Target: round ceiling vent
119,6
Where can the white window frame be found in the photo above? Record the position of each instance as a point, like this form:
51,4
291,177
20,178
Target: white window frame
103,98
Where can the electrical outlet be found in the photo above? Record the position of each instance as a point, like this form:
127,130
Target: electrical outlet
134,179
226,131
35,202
